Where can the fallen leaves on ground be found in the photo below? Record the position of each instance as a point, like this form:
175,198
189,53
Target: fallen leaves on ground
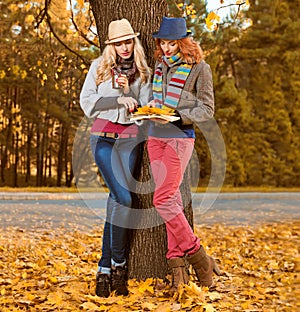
55,271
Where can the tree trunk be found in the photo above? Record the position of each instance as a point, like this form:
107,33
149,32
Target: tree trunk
39,163
15,173
145,17
60,157
148,245
28,152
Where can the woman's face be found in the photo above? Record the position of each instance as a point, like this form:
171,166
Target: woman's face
169,47
124,48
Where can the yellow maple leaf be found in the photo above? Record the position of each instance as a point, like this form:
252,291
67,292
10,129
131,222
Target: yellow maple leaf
89,306
146,286
192,290
209,308
164,307
251,284
187,303
15,69
23,74
213,16
55,298
53,279
214,296
245,305
211,19
2,74
29,19
148,306
30,297
80,3
209,23
13,7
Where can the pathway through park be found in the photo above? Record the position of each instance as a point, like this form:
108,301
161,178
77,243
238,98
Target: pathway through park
84,211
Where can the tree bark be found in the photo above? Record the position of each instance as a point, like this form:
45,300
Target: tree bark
148,246
145,17
28,152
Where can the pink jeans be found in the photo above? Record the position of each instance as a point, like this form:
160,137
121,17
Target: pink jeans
169,158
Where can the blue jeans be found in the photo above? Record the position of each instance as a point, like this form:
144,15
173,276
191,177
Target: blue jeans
117,162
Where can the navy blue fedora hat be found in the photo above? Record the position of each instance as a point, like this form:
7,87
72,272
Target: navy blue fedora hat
172,28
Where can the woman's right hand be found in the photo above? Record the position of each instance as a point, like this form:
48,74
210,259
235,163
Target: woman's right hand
129,102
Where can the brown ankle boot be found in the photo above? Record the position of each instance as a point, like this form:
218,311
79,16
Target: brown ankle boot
179,273
204,267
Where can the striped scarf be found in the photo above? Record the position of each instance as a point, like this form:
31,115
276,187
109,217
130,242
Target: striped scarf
176,84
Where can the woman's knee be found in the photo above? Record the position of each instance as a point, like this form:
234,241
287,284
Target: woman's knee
122,198
160,199
126,200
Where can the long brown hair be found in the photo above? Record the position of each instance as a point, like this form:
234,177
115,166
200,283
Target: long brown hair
190,50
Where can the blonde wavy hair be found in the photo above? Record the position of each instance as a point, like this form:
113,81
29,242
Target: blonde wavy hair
109,58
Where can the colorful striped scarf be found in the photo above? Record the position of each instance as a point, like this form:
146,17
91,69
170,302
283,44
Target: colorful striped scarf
176,83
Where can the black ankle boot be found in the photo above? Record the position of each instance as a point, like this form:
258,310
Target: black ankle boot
119,280
102,284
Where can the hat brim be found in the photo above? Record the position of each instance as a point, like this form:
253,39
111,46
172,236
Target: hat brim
126,37
158,35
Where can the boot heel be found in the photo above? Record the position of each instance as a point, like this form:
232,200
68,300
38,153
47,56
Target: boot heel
216,269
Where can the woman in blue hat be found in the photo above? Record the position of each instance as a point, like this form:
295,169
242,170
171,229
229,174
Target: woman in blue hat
182,84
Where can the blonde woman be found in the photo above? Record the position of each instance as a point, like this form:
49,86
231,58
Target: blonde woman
117,82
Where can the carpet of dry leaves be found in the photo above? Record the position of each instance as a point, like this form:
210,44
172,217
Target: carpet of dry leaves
54,270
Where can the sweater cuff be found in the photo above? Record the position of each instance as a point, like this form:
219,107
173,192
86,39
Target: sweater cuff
129,94
106,103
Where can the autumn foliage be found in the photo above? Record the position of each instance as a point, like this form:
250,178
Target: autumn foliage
46,270
153,111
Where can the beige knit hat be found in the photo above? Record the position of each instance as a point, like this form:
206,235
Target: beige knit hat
120,30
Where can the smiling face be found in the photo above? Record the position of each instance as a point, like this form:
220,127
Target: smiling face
169,47
124,48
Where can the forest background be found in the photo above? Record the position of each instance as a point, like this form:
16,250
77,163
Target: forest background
46,50
254,57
